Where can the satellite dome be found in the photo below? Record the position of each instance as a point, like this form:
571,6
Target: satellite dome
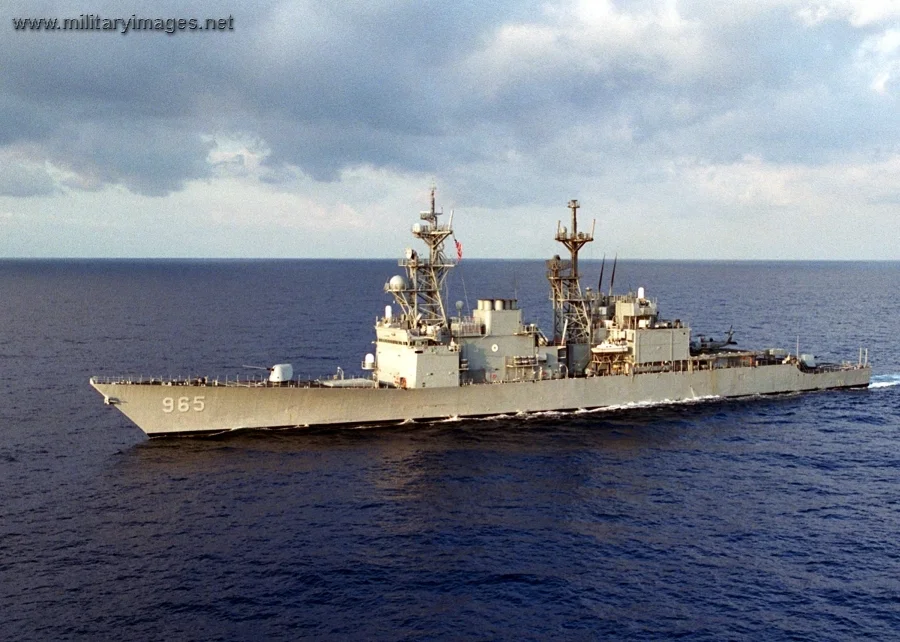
397,283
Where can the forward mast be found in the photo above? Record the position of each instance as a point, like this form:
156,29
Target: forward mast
420,294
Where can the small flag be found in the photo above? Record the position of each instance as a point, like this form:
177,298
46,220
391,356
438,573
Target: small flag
458,250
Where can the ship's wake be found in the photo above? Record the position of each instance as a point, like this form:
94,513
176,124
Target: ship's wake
650,404
612,408
885,381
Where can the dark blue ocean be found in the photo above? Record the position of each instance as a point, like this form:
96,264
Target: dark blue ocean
762,519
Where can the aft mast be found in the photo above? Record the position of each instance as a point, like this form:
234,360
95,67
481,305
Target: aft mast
571,310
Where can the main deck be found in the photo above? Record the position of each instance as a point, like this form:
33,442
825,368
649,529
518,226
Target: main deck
190,408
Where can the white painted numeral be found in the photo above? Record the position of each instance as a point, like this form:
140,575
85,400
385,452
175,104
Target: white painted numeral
184,404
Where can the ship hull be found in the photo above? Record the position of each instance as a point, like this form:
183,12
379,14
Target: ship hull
161,410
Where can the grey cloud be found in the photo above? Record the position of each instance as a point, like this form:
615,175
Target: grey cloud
24,180
147,158
332,85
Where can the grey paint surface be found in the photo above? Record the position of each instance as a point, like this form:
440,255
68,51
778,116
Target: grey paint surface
207,408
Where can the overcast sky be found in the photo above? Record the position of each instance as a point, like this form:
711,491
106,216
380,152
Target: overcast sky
747,129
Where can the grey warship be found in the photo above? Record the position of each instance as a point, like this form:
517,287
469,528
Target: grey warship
604,350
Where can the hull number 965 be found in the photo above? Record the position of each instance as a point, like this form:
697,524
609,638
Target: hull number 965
183,404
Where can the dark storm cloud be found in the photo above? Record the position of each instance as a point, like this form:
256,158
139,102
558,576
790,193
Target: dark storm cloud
326,84
113,108
426,86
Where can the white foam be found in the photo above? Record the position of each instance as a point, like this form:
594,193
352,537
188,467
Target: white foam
489,418
654,404
885,381
545,413
617,407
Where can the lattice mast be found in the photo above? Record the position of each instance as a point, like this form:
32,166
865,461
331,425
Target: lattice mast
422,300
571,310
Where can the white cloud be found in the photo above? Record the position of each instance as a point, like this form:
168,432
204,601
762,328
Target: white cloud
586,39
859,13
816,191
24,175
879,56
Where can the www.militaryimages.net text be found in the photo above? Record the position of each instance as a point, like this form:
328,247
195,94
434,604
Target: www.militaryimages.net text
93,22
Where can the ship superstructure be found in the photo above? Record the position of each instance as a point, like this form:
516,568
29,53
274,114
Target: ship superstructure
594,334
604,350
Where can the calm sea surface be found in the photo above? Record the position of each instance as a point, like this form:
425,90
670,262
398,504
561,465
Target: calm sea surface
763,519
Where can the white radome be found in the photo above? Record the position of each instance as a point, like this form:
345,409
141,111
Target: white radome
397,283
